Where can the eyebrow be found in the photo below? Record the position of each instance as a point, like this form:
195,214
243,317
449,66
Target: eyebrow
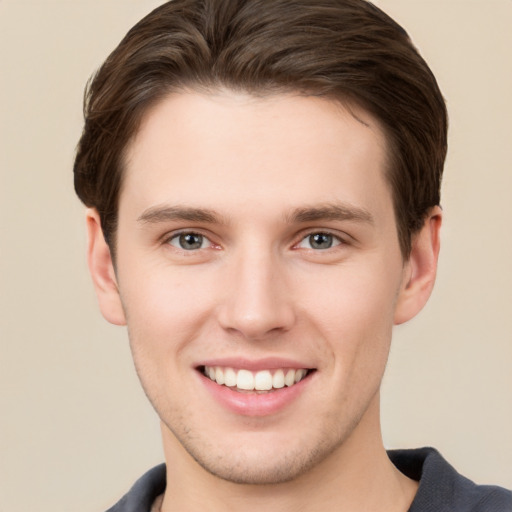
157,214
340,212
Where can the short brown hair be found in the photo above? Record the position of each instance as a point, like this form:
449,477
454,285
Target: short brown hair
347,50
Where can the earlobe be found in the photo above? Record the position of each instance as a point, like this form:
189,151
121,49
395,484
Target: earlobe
102,271
420,269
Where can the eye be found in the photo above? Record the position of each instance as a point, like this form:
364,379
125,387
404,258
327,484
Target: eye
319,241
189,241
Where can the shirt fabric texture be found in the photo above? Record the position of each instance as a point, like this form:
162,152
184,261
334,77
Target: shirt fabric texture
441,488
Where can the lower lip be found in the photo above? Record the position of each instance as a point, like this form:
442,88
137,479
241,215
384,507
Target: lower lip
254,404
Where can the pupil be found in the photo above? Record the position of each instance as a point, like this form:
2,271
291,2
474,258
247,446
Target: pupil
190,241
320,241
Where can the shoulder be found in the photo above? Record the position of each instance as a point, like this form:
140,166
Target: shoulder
443,489
141,496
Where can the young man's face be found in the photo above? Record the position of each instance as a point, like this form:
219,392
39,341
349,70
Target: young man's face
257,241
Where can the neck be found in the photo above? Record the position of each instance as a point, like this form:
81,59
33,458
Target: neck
357,476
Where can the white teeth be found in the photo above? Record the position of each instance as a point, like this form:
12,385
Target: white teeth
245,380
289,379
278,379
230,377
219,375
263,380
299,375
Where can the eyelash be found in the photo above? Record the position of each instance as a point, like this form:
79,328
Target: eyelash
336,240
177,236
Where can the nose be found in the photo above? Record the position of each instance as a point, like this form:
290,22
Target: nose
257,303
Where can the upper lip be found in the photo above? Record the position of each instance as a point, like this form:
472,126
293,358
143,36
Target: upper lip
267,363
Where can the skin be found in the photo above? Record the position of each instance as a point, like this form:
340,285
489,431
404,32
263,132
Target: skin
256,177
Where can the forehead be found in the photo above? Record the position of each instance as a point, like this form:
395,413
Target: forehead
227,149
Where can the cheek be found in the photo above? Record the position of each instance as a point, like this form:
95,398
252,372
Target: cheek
165,309
163,316
353,297
353,310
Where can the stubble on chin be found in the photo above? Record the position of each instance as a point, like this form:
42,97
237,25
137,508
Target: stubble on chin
249,465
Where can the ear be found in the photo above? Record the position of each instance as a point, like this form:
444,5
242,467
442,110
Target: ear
420,269
102,271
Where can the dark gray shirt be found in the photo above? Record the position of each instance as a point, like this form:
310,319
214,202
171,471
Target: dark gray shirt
441,488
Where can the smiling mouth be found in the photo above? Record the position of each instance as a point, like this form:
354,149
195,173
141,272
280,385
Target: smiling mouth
263,381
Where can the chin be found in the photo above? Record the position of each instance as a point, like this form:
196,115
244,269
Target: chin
247,470
260,461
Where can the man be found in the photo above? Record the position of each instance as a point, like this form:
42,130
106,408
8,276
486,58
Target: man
263,183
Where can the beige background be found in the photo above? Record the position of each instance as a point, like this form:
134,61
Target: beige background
75,429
